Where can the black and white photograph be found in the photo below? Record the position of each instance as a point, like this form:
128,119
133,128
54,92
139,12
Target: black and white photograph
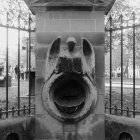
69,70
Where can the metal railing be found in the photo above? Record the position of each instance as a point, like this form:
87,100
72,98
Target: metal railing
120,29
12,111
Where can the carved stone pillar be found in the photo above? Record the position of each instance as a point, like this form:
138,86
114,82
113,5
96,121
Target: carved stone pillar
69,70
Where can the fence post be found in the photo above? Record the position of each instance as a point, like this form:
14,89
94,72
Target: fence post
121,64
110,63
115,108
134,64
29,63
13,111
127,112
34,109
1,113
7,62
24,107
19,65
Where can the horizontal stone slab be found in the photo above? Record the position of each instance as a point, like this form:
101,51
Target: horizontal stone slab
95,38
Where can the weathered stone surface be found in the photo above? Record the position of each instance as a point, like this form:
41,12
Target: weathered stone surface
117,125
95,38
69,65
54,129
100,109
96,4
22,127
91,128
69,71
69,15
63,25
100,25
70,75
100,85
114,127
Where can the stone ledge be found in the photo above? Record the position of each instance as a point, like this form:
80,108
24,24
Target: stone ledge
22,127
97,5
116,125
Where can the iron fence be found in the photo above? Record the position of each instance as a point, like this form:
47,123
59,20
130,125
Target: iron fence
123,34
115,29
8,110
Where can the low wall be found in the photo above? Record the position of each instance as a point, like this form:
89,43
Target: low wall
118,127
17,129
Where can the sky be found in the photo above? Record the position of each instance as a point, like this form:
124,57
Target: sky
13,37
134,3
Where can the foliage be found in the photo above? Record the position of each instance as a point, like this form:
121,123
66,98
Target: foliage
14,9
18,16
122,14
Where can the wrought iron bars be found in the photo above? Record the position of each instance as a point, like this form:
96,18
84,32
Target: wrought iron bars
7,63
123,28
6,109
134,64
122,72
110,62
18,65
29,63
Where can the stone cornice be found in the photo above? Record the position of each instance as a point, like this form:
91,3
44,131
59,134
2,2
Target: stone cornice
80,5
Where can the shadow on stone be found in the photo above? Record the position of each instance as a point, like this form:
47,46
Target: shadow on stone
13,136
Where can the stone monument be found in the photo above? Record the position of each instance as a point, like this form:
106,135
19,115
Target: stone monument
69,88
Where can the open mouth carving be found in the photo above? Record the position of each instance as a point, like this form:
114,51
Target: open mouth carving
69,94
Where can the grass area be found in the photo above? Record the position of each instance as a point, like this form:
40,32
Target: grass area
125,80
127,94
127,97
116,94
13,94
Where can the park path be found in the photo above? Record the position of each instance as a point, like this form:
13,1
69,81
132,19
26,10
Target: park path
125,85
